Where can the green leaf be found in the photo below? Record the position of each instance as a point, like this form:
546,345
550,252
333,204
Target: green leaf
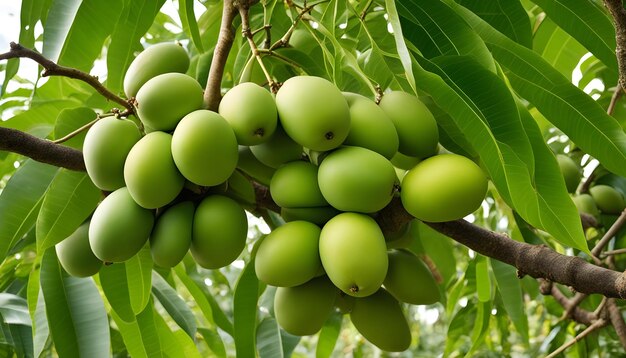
20,201
438,247
71,198
175,343
557,47
507,16
126,285
588,23
214,341
566,106
190,26
58,22
245,310
14,309
197,294
141,335
480,326
22,339
41,334
174,305
403,51
269,340
511,291
483,282
71,119
436,30
329,335
76,314
134,22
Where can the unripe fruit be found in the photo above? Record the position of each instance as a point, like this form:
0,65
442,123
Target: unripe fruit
75,254
302,310
119,227
585,204
105,149
609,200
445,187
250,165
317,215
220,229
166,98
171,237
353,253
153,61
289,255
357,179
344,302
294,185
278,150
379,318
571,172
204,148
409,279
405,162
416,127
251,111
150,173
241,189
313,112
370,127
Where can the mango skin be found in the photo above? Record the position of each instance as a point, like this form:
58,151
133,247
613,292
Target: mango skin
294,185
171,236
608,200
416,127
572,173
150,173
220,229
302,310
119,227
289,256
318,215
105,149
370,127
313,112
252,167
75,254
278,150
379,318
251,111
166,98
357,179
153,61
354,254
409,279
442,188
204,148
405,162
585,204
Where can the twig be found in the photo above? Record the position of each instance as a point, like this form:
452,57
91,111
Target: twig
283,41
573,303
613,252
247,33
596,325
614,98
364,12
578,314
617,320
617,225
617,11
52,69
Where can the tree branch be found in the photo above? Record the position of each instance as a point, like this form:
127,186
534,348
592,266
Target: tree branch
53,69
617,11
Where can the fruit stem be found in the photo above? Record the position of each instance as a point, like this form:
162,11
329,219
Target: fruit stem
248,34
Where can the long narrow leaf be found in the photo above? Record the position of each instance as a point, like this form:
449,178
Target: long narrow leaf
174,305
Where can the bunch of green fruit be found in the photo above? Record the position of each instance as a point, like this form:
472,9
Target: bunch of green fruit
332,161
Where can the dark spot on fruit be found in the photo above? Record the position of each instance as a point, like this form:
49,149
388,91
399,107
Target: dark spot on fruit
329,135
354,289
260,132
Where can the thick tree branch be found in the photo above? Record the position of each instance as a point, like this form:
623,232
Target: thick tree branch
41,150
616,8
213,90
52,69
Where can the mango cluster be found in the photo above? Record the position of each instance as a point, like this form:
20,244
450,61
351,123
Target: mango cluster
332,162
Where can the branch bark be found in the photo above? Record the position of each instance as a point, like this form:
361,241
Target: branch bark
616,8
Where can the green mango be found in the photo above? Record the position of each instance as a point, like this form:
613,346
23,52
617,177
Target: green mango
220,229
251,111
155,60
171,236
240,189
344,302
278,150
150,173
442,188
302,310
105,149
401,238
289,256
294,185
313,112
416,127
572,173
609,200
357,179
75,254
585,204
166,98
353,253
379,318
316,215
119,227
370,127
253,168
204,148
405,162
410,280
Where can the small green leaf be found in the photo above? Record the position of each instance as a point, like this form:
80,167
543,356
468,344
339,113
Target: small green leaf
71,198
245,301
188,19
329,335
214,341
71,119
14,309
174,305
511,291
483,282
268,339
141,335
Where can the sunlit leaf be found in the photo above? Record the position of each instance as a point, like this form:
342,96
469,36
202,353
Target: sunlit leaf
174,305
